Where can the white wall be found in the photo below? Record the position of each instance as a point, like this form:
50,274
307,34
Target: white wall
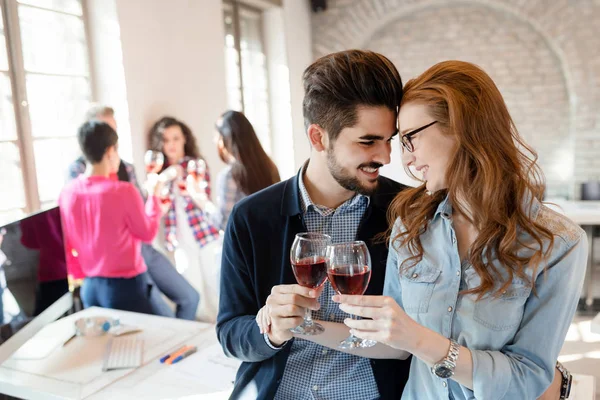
174,65
109,86
156,57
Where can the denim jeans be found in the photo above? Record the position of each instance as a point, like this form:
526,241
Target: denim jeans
128,294
166,278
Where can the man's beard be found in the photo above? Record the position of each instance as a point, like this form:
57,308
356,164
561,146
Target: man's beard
347,181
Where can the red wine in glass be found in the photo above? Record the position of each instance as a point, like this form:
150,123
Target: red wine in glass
349,279
154,161
349,271
310,272
307,257
151,167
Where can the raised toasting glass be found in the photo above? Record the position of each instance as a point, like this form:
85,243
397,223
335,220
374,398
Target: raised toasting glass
154,161
349,272
307,257
197,169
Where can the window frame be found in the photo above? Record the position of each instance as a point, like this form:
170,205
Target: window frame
18,75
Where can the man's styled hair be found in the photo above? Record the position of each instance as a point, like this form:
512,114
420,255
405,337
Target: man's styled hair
95,138
99,110
336,84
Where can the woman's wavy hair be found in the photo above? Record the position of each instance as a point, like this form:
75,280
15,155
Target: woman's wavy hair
155,138
493,172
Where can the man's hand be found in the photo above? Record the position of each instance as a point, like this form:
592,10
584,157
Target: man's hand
286,306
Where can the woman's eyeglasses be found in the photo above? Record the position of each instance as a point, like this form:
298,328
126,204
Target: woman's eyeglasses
407,137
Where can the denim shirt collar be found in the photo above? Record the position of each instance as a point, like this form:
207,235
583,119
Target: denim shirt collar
531,206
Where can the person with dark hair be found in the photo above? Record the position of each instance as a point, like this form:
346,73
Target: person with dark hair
160,270
104,222
189,233
249,168
350,103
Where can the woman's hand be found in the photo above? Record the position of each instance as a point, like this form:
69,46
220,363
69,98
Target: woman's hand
389,324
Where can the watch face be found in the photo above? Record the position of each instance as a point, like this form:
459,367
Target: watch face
443,371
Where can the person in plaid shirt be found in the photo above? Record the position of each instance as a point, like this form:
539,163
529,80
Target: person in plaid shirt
189,232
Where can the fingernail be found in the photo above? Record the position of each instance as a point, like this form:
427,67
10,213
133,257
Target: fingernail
335,298
312,293
346,320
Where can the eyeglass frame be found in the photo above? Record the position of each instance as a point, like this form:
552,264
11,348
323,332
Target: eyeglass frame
406,139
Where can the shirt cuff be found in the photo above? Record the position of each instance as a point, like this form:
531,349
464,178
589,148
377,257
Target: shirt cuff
271,345
492,374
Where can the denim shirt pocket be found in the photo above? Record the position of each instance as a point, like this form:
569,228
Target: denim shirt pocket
504,312
418,283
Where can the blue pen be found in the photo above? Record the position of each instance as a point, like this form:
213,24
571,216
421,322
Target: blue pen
184,355
165,358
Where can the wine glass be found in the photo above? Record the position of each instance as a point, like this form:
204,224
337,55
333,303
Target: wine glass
197,169
349,272
165,195
154,161
307,257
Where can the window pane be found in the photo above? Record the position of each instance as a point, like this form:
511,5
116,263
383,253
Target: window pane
3,56
254,68
57,104
8,130
232,63
68,6
11,178
53,43
52,157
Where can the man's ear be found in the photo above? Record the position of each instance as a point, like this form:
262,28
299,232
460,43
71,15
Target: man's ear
319,140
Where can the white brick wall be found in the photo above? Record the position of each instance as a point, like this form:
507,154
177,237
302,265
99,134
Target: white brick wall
544,56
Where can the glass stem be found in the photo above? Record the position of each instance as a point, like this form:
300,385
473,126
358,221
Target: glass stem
353,317
308,321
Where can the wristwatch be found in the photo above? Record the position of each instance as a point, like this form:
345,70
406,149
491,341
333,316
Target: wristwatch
567,378
445,367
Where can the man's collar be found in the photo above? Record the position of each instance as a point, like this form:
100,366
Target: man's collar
306,201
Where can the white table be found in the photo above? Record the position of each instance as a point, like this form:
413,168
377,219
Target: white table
74,371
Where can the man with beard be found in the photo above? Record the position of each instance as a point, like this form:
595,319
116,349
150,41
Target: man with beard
349,108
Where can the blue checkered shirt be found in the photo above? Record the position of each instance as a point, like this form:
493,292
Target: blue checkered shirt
313,371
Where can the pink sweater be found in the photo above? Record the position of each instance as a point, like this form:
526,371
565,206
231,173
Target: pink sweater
104,223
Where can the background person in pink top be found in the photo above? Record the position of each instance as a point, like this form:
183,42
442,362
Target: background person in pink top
105,222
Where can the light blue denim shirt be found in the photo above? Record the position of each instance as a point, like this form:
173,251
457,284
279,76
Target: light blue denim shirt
514,339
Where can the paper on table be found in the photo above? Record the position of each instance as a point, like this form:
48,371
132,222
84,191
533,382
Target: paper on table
210,366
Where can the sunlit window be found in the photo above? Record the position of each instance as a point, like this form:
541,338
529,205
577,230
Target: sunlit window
44,93
246,67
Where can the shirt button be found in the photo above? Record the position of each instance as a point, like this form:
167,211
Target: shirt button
332,316
450,309
324,352
415,275
444,384
453,240
315,388
457,273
